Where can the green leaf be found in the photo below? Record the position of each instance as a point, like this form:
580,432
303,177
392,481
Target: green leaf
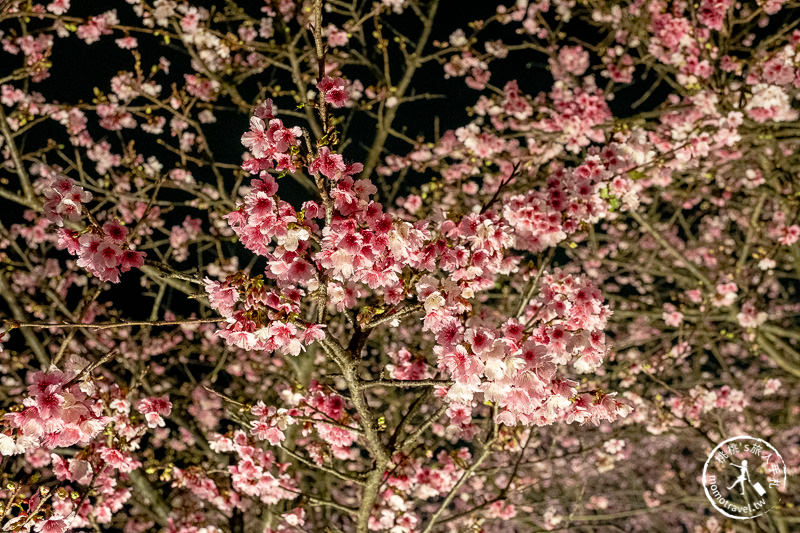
636,175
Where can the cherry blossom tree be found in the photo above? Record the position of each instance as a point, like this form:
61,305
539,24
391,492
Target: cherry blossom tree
258,276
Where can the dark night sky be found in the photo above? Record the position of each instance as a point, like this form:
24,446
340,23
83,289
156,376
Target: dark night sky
78,68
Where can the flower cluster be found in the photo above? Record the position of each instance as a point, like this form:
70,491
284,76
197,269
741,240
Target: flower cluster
701,400
102,251
585,194
515,367
57,413
263,320
255,472
270,423
269,141
63,200
394,511
335,91
328,409
154,409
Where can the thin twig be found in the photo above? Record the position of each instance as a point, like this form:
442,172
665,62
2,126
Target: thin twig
14,324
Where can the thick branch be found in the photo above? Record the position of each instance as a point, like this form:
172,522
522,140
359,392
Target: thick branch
19,315
403,383
24,179
157,505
